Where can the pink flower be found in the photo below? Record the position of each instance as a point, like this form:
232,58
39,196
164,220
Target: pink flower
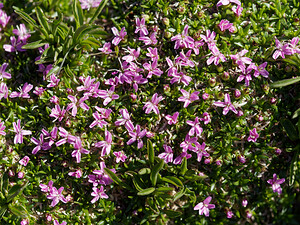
3,18
106,48
137,134
22,33
105,145
141,27
180,77
200,150
4,74
276,184
253,135
55,222
120,156
209,38
38,91
260,70
21,175
78,150
204,207
15,45
226,2
56,196
75,102
19,132
100,176
46,188
119,36
240,60
196,129
244,202
246,74
182,40
3,90
224,25
227,105
149,40
152,69
167,156
152,53
153,104
206,118
125,119
58,113
24,161
216,57
87,4
2,127
229,214
183,59
40,145
172,119
187,143
281,50
237,10
188,98
133,54
108,96
23,93
98,193
77,174
54,81
179,158
25,222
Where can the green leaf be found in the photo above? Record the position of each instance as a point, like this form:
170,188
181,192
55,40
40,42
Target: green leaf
42,20
98,11
34,45
3,210
290,129
173,180
150,152
144,171
113,176
78,14
137,182
164,189
183,167
4,184
83,30
25,16
172,214
179,194
295,115
286,82
294,166
146,191
18,210
14,191
155,171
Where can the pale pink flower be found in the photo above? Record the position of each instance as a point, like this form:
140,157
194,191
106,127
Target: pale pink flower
237,10
106,48
227,105
276,184
281,50
224,25
260,70
105,145
188,142
87,4
3,18
204,207
216,57
39,91
24,161
183,59
23,92
172,119
2,127
152,69
119,36
3,90
98,193
46,188
125,119
240,59
4,74
149,40
55,222
77,174
120,156
75,103
152,53
58,113
188,98
22,33
141,27
209,38
56,196
200,150
133,54
182,40
227,2
14,46
108,96
78,150
54,81
19,132
167,156
137,134
206,118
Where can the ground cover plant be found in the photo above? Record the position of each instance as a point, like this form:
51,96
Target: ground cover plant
149,112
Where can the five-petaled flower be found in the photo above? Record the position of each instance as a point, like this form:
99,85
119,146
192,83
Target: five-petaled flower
227,105
167,156
56,196
119,36
98,193
187,98
105,145
276,183
19,132
153,104
204,207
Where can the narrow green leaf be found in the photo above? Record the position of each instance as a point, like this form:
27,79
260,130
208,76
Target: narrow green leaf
98,11
18,210
150,151
183,167
78,14
112,176
34,45
25,16
42,19
137,182
145,171
87,217
179,194
172,214
173,180
81,31
290,129
294,167
295,115
286,82
164,189
146,191
3,210
155,171
14,191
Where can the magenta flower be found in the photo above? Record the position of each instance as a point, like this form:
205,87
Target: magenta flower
55,222
22,33
125,119
182,40
167,156
3,18
4,74
206,118
120,156
227,105
106,48
276,184
209,38
23,92
260,70
119,36
281,50
76,103
179,158
3,90
15,45
188,142
224,25
149,40
98,193
226,2
105,145
25,222
24,161
153,104
141,27
56,196
229,214
293,45
2,127
133,54
58,113
240,60
188,98
204,207
216,57
180,77
152,53
136,135
172,119
19,132
77,174
78,150
46,188
100,176
246,74
40,145
87,4
108,96
39,91
196,129
237,10
253,135
99,120
200,150
152,69
183,59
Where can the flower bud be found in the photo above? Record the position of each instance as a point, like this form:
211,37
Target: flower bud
225,76
54,100
68,123
220,95
266,88
133,97
166,21
205,96
167,88
218,162
21,175
273,100
278,151
245,202
240,113
48,217
237,93
11,173
69,91
212,82
242,158
208,160
168,34
260,118
181,9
